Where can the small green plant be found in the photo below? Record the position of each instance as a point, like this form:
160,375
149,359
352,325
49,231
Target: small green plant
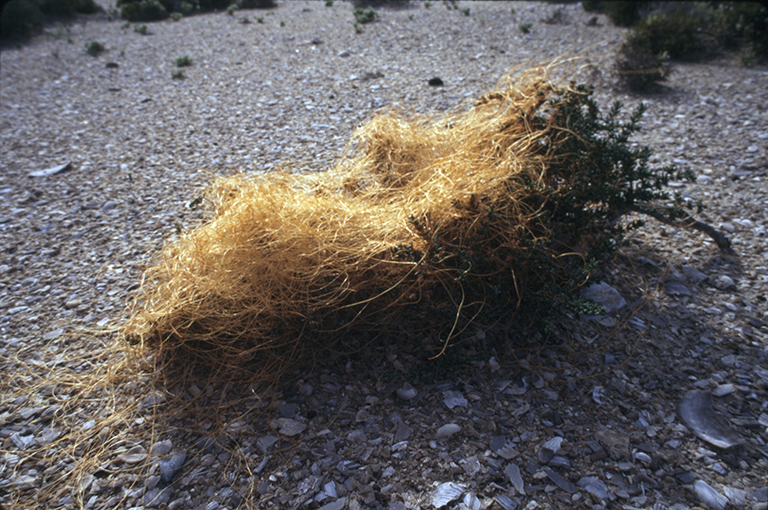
329,3
231,9
260,19
183,60
465,11
639,69
140,29
512,10
282,23
126,25
177,74
358,28
427,4
410,17
366,15
525,27
186,8
93,48
176,16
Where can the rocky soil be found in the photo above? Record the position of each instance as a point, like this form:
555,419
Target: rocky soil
661,403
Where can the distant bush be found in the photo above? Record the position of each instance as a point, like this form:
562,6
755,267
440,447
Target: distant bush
365,15
142,10
256,4
153,10
20,18
93,48
743,27
623,14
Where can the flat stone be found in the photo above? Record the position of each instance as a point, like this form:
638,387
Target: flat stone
447,431
289,427
604,295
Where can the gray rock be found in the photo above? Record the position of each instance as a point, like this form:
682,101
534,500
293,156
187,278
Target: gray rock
615,443
403,432
335,505
289,427
407,392
447,431
560,481
700,417
676,289
162,447
454,399
694,274
709,496
605,296
344,54
170,467
506,502
513,473
445,493
724,282
157,496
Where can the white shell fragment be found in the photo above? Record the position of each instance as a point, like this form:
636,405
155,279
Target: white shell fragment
709,496
50,171
445,493
698,415
134,455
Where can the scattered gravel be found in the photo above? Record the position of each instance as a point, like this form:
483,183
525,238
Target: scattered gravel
104,159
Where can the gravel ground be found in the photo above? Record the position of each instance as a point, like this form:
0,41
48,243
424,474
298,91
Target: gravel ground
660,404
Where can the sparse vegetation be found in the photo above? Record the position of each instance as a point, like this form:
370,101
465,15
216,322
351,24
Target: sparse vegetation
525,27
231,9
93,48
688,31
140,29
183,60
465,11
329,3
176,16
366,15
177,74
427,4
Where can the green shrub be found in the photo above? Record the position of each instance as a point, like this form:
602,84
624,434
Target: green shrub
465,11
177,74
366,15
142,10
639,69
525,27
231,9
140,29
176,16
93,48
623,14
19,19
186,8
183,60
256,4
744,27
676,33
329,3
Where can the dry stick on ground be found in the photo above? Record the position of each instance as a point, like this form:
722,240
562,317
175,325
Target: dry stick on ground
689,222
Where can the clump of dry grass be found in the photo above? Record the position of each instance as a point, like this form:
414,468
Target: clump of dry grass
423,211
